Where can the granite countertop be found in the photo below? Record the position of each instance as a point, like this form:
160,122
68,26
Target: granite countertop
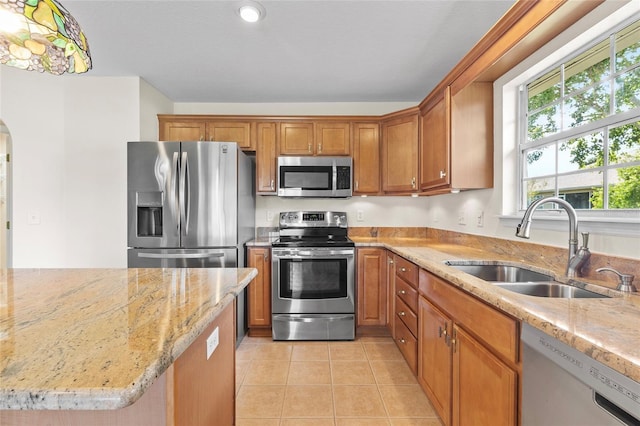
606,329
97,338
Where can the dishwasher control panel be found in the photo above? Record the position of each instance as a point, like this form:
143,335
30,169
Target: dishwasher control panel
618,388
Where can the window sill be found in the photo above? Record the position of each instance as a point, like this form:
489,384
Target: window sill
558,221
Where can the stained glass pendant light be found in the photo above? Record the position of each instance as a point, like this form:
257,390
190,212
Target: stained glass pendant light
42,35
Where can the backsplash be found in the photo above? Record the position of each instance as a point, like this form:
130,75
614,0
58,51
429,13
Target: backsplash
543,256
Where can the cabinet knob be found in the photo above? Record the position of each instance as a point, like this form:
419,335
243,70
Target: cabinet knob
401,340
413,183
357,185
442,174
272,183
319,147
201,138
403,269
390,261
402,313
442,331
402,292
309,147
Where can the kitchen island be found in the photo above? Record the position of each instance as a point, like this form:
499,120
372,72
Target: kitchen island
117,346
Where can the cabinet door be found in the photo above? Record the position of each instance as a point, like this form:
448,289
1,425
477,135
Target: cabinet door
333,138
234,131
372,289
391,291
266,158
400,154
434,357
296,139
177,131
484,388
259,292
435,144
203,389
366,158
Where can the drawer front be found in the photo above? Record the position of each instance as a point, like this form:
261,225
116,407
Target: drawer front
408,345
407,271
407,316
408,294
496,329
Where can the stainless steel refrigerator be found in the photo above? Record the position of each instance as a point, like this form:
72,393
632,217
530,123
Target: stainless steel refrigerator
191,205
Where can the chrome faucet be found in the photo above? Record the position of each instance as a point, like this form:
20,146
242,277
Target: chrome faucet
577,258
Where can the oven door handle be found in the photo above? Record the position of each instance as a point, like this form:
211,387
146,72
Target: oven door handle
312,319
312,253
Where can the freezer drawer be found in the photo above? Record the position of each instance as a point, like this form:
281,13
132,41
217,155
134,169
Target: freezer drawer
182,258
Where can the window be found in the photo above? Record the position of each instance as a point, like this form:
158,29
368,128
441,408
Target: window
581,131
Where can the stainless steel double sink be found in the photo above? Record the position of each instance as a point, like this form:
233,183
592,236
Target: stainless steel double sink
521,280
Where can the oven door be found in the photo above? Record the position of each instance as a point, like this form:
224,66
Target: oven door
317,280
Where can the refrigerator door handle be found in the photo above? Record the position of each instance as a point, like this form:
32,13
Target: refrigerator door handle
173,191
179,255
185,188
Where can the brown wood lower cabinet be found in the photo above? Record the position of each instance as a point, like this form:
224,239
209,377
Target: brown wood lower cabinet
468,359
484,388
372,286
259,292
434,363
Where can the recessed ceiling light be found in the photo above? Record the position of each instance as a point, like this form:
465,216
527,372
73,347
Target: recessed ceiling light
251,11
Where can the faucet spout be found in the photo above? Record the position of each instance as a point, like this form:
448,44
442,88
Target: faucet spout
524,228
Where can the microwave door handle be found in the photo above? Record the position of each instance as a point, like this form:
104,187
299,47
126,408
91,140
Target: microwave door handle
334,178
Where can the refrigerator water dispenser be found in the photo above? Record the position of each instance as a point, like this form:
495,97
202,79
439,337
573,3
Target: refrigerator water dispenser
149,212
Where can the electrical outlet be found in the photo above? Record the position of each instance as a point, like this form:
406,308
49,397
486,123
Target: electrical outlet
212,342
480,219
462,217
360,216
33,217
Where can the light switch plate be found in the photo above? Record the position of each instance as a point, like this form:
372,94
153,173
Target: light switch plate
212,342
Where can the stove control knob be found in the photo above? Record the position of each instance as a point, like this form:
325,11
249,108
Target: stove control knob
337,219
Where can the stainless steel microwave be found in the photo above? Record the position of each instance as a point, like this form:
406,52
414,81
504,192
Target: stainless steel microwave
328,177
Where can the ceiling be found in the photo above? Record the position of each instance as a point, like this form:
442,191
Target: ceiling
303,51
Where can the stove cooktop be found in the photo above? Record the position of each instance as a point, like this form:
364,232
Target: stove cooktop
341,241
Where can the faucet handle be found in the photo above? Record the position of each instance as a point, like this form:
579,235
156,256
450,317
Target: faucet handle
585,239
626,280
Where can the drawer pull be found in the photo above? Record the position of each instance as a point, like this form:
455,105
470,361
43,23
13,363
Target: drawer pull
402,292
402,313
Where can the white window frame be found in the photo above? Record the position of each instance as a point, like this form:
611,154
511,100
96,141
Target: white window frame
611,121
509,110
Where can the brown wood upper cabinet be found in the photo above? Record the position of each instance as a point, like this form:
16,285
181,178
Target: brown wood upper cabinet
366,158
400,153
315,138
232,131
202,129
182,130
456,139
266,158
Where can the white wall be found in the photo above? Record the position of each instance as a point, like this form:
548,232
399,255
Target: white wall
69,164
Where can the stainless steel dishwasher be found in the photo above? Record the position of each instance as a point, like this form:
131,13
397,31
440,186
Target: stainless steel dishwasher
563,386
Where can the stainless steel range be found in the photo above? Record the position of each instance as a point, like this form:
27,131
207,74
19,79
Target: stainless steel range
313,276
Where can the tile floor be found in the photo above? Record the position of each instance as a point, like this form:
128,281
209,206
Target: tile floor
364,382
